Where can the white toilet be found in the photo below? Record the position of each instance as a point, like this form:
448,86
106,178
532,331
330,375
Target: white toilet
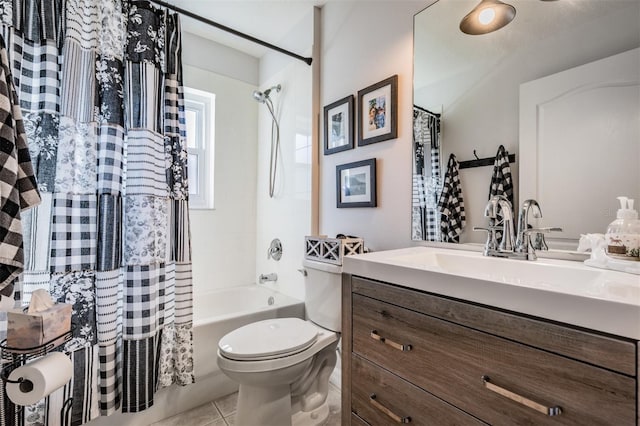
283,365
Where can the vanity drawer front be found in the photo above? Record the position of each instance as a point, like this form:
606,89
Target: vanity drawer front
449,361
609,352
382,398
357,421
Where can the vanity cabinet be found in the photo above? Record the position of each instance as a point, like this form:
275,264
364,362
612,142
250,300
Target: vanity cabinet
420,358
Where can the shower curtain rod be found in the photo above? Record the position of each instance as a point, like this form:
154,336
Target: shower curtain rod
426,110
231,30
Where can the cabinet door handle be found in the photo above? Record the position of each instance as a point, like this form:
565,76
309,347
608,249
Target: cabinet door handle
549,411
398,346
396,418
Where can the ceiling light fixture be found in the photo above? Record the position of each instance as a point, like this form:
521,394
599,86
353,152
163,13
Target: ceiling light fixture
487,16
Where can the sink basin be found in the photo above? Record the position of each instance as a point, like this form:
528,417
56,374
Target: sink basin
529,273
544,274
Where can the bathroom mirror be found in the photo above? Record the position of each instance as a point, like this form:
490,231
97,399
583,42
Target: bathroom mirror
467,101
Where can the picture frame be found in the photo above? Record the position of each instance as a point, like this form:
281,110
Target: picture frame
378,112
338,125
356,184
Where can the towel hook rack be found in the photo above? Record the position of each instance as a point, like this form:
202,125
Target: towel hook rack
481,162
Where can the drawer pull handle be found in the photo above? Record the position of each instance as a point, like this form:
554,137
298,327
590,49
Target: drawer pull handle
389,413
549,411
398,346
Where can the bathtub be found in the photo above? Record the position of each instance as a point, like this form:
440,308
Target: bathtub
215,314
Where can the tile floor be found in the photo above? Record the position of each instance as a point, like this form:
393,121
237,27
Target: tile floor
222,412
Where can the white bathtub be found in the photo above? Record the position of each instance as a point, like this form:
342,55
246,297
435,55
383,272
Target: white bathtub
215,314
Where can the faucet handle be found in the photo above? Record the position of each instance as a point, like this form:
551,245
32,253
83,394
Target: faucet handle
538,242
546,230
492,242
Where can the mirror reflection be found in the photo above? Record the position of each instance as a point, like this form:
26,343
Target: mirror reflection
557,87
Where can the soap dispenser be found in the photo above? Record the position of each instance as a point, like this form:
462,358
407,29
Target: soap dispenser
623,234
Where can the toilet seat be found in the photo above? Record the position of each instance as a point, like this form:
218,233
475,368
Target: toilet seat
268,339
324,339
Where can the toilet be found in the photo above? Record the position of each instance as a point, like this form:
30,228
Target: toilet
283,364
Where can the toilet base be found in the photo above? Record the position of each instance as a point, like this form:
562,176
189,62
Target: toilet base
311,418
273,408
272,405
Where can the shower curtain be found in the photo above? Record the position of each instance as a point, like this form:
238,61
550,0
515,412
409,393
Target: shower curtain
100,86
427,183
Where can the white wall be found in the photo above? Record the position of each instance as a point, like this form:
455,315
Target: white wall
209,55
223,239
363,43
287,215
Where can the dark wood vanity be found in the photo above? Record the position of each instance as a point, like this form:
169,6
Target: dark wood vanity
415,357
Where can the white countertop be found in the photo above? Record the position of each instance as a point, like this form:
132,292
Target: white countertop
560,290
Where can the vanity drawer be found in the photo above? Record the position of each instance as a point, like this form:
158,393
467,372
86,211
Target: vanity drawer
450,361
382,398
357,420
610,352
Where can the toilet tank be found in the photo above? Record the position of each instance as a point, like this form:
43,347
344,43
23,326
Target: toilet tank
323,294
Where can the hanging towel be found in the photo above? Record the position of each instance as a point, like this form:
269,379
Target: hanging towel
451,204
18,188
501,182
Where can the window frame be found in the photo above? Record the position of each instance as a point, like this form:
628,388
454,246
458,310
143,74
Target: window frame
203,104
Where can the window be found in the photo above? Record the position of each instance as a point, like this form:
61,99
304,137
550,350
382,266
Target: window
200,123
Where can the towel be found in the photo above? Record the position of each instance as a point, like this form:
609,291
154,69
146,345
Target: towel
501,182
451,204
18,187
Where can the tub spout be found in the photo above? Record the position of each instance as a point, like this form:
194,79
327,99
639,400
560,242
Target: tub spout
263,278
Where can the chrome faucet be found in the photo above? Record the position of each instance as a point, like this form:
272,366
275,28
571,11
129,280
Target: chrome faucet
523,240
498,204
524,246
263,278
524,249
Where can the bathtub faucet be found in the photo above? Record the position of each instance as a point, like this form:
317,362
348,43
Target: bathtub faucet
263,278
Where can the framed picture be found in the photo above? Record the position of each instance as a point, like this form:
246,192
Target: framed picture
356,184
378,112
338,126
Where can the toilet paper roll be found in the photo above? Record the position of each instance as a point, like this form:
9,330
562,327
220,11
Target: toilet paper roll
46,374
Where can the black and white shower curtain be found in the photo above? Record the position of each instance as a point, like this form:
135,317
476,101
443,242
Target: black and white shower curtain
100,86
427,181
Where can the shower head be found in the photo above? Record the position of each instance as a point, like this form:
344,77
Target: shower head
263,96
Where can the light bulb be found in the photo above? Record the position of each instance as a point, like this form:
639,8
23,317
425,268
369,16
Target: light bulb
486,16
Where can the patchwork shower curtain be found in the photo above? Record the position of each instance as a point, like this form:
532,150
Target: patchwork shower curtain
100,86
427,183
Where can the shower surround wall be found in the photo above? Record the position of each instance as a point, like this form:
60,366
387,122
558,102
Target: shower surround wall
230,242
224,239
287,215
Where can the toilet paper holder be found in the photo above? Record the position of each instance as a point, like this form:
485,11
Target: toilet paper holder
13,358
26,385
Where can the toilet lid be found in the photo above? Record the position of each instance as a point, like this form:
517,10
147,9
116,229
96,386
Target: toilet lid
268,339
